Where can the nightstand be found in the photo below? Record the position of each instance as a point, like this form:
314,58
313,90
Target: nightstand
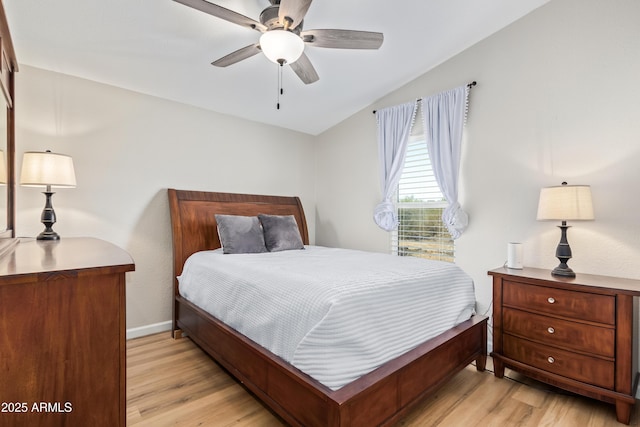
579,334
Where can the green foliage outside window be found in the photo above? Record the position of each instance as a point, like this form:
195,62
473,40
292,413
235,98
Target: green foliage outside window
421,231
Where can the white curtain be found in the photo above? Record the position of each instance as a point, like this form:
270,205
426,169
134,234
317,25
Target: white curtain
394,128
444,116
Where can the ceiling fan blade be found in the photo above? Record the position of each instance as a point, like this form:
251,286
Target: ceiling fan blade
223,13
343,39
295,10
303,68
237,56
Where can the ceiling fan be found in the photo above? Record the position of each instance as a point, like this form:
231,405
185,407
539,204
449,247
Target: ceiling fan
283,39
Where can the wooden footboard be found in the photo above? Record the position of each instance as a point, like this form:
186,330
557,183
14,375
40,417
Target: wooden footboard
379,398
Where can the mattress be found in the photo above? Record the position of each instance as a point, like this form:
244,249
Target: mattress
335,314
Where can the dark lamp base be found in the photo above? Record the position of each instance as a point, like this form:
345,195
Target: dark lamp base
563,253
48,218
48,235
563,271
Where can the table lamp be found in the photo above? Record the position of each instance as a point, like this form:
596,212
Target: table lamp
47,169
565,203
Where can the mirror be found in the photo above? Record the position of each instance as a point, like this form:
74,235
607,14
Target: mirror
7,237
3,173
8,68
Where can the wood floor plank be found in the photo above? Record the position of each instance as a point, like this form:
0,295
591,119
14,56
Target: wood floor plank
174,383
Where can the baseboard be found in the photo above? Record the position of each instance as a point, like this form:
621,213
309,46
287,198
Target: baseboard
154,328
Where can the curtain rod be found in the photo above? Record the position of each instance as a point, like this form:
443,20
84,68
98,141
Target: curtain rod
470,85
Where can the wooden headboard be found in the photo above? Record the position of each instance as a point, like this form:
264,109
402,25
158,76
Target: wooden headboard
194,226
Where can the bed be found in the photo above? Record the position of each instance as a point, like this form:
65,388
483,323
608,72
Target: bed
380,397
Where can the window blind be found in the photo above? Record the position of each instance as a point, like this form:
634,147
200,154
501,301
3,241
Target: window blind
420,203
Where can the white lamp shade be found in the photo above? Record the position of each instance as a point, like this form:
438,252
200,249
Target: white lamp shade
565,202
281,45
41,169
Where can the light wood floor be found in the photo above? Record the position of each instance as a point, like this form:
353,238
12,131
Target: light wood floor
173,383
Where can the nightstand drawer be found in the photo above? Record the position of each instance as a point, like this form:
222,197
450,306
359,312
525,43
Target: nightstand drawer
560,333
591,370
560,302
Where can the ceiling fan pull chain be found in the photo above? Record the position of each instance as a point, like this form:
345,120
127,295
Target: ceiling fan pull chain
280,90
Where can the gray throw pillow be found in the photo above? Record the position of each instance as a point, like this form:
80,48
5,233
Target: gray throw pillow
281,232
240,234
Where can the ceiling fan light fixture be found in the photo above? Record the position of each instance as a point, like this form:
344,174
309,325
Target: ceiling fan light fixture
281,45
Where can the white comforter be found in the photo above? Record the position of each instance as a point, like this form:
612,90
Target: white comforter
335,314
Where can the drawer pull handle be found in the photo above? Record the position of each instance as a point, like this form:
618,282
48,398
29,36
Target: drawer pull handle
551,300
550,359
551,330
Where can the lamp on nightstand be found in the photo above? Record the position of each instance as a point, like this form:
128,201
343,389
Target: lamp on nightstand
565,203
47,169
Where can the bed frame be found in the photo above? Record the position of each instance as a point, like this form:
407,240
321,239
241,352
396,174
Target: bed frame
378,398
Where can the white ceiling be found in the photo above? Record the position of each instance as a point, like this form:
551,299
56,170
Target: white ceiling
163,48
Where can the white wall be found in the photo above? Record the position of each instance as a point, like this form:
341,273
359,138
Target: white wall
557,99
128,148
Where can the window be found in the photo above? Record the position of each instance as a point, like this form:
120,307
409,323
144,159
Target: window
420,203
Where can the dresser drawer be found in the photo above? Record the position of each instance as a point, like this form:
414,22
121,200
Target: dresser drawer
560,333
591,370
560,302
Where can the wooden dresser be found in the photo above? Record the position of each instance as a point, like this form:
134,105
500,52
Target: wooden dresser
62,333
579,334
